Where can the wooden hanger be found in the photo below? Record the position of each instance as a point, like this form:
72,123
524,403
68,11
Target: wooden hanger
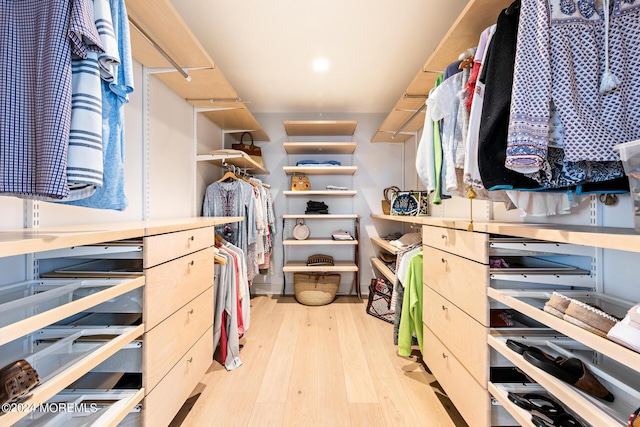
228,175
466,63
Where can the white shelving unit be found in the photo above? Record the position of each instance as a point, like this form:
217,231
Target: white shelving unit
321,129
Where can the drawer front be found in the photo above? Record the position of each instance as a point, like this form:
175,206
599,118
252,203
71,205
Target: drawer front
461,281
164,401
466,244
165,344
462,335
165,247
171,285
471,400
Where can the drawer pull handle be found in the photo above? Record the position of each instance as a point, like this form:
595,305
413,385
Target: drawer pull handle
444,356
191,262
444,307
444,236
192,238
189,360
443,260
190,311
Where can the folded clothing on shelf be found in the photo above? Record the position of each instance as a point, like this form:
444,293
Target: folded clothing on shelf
316,208
341,235
318,163
408,239
336,188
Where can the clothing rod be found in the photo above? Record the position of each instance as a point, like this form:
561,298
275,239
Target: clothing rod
214,100
160,50
413,116
406,95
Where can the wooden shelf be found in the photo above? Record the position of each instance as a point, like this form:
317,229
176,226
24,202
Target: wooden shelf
463,34
320,170
208,88
320,147
301,266
320,127
321,193
321,216
319,241
382,268
240,160
384,244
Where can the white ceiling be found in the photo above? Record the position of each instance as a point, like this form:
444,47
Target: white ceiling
266,48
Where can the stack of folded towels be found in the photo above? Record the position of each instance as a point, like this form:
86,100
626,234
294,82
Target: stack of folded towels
316,208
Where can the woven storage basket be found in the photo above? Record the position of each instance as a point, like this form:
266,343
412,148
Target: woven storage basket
315,288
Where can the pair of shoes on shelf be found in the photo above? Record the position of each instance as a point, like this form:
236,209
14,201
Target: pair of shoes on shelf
570,370
17,379
580,314
544,410
627,331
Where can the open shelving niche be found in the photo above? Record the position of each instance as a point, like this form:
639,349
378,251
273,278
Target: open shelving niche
310,131
163,43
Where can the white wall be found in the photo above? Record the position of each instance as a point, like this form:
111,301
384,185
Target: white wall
379,166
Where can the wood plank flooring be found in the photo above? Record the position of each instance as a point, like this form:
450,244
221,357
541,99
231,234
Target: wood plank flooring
332,365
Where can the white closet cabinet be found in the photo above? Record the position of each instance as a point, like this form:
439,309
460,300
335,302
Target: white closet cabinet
122,330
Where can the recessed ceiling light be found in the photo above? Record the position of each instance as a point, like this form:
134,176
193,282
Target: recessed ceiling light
320,64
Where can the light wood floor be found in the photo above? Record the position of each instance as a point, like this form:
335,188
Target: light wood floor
332,365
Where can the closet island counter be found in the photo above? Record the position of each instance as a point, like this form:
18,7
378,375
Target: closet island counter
463,286
109,296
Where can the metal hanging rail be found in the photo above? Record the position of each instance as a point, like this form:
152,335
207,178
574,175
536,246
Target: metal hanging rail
160,50
413,116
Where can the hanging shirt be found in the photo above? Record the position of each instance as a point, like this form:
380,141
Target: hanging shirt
565,48
411,319
233,198
115,94
35,91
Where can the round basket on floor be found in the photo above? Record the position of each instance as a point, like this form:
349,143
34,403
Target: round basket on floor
315,288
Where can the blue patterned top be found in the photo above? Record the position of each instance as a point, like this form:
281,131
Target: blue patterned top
562,53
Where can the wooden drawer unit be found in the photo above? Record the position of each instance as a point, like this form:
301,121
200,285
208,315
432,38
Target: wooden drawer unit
461,281
167,343
465,338
173,284
471,400
466,244
165,247
166,399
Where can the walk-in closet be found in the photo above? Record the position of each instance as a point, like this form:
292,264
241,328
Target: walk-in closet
320,213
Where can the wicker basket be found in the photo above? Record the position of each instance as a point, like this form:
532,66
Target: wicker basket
315,288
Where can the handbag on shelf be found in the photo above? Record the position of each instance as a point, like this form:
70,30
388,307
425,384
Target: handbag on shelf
251,150
301,231
379,303
300,183
386,202
410,203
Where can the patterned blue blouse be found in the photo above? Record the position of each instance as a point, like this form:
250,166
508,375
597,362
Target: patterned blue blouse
564,53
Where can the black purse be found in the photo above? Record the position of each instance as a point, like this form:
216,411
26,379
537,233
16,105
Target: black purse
379,303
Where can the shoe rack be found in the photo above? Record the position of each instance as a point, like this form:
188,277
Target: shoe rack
322,140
